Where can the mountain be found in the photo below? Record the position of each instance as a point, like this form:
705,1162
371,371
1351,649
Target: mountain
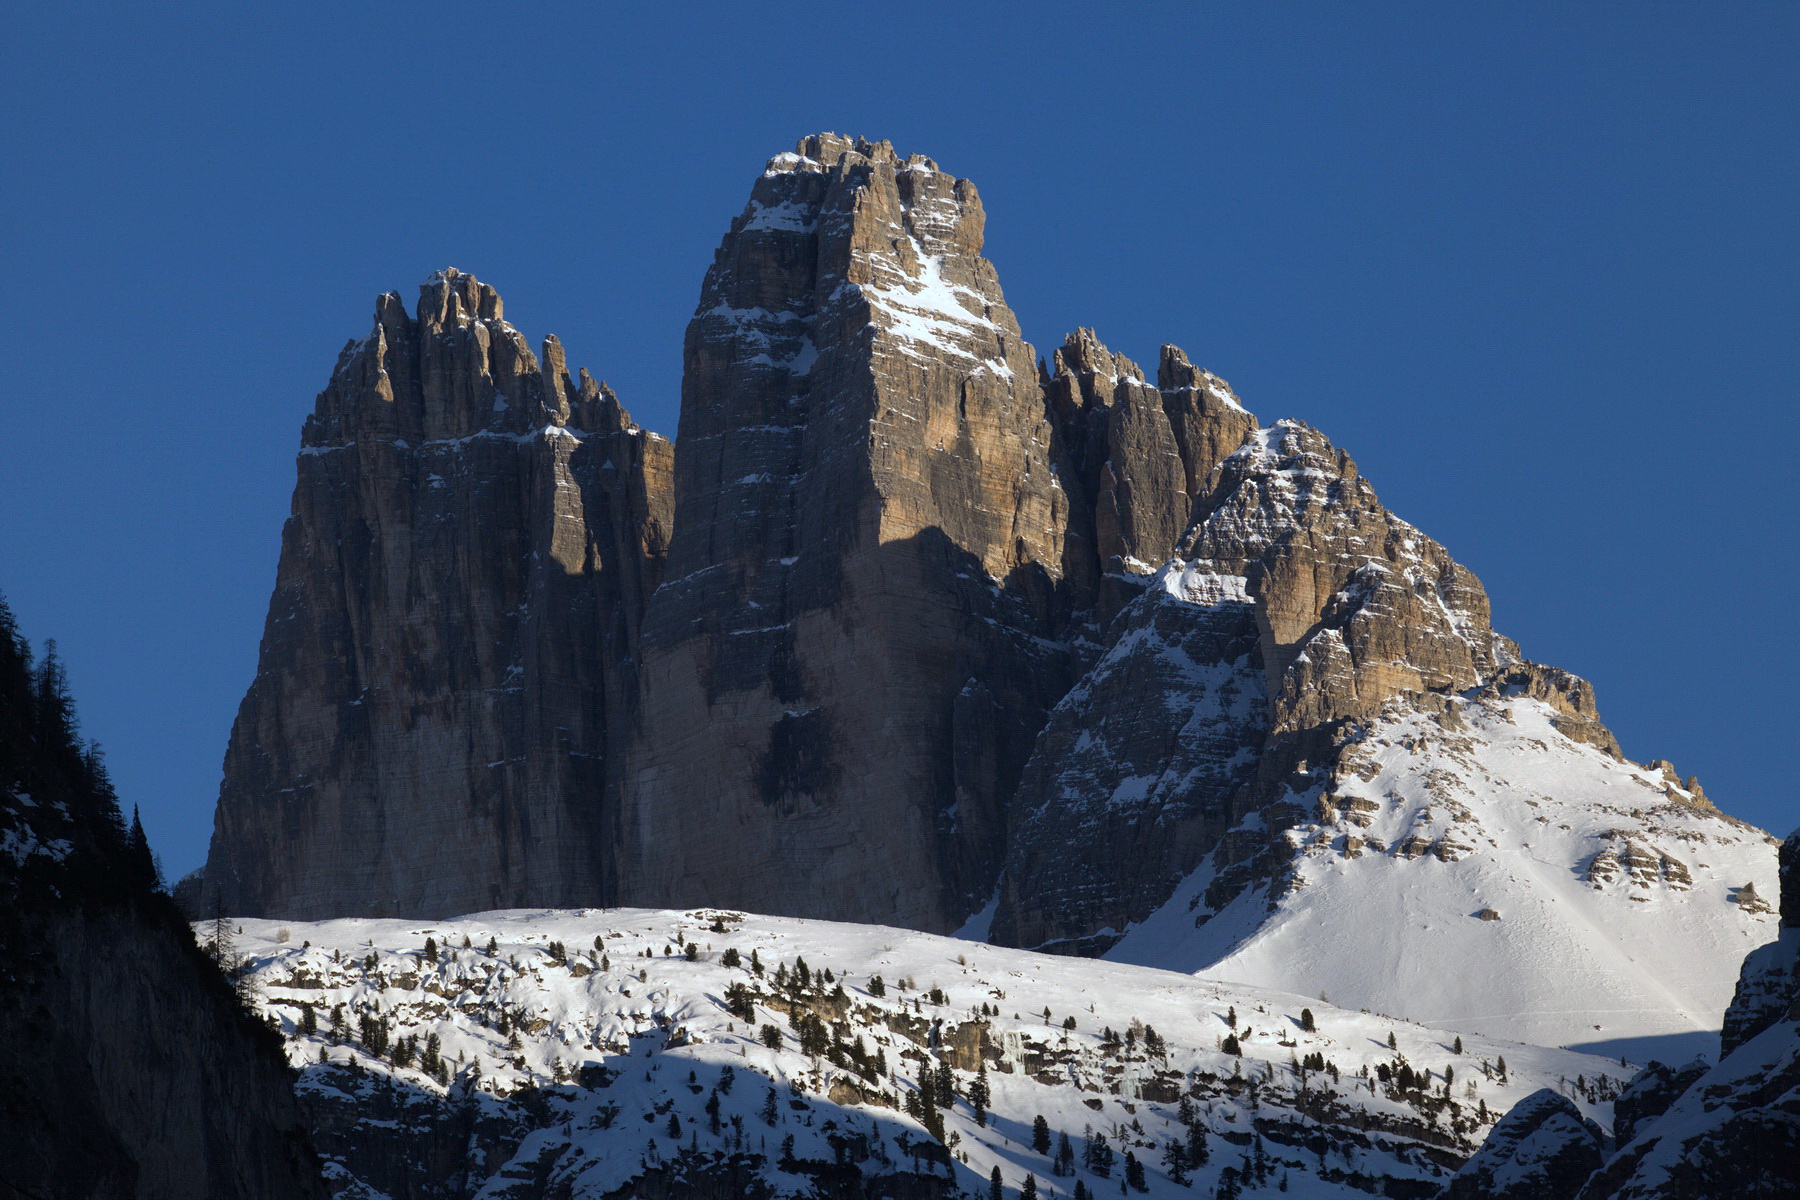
448,653
127,1066
1682,1133
1307,761
913,629
711,1053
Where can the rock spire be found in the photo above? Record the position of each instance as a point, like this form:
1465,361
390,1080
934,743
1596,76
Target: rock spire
448,650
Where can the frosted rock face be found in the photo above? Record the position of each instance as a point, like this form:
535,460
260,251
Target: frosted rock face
1298,603
856,643
448,648
1544,1149
1768,989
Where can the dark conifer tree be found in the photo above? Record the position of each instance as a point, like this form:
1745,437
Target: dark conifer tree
1134,1173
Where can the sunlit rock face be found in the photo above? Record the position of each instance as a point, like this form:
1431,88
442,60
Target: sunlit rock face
857,641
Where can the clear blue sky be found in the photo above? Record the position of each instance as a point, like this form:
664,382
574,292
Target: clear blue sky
1533,266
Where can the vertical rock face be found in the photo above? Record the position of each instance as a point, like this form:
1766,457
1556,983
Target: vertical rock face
1138,457
844,672
450,642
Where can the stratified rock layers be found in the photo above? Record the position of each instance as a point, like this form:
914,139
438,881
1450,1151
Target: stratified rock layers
854,650
450,639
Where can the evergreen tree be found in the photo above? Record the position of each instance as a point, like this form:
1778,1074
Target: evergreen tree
946,1086
309,1020
980,1095
140,863
731,957
1230,1045
876,986
1028,1190
994,1186
1175,1162
1065,1155
1456,1047
1040,1134
1098,1155
1306,1020
674,1128
431,951
1134,1173
769,1115
771,1036
1197,1153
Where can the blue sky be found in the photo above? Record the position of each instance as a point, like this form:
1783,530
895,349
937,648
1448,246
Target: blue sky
1533,266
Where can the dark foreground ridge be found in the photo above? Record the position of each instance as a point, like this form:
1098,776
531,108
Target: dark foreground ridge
128,1067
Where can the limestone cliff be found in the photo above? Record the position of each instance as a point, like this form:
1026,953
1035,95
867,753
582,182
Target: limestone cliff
449,648
856,644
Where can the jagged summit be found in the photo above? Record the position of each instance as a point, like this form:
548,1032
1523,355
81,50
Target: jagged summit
824,151
455,369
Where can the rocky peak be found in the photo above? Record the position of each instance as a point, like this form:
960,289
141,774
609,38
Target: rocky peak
868,550
1205,415
1355,605
457,369
448,653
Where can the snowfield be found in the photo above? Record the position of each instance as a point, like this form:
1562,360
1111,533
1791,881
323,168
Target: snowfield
581,1050
1615,911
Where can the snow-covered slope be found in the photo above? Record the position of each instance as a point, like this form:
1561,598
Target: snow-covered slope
665,1083
1615,915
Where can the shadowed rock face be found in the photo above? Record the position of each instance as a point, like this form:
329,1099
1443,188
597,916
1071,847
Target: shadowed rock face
449,643
1544,1149
844,672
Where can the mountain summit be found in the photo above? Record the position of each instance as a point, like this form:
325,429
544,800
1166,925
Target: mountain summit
911,628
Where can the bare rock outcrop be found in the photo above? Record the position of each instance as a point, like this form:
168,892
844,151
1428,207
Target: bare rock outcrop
450,644
856,644
1297,605
1544,1149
